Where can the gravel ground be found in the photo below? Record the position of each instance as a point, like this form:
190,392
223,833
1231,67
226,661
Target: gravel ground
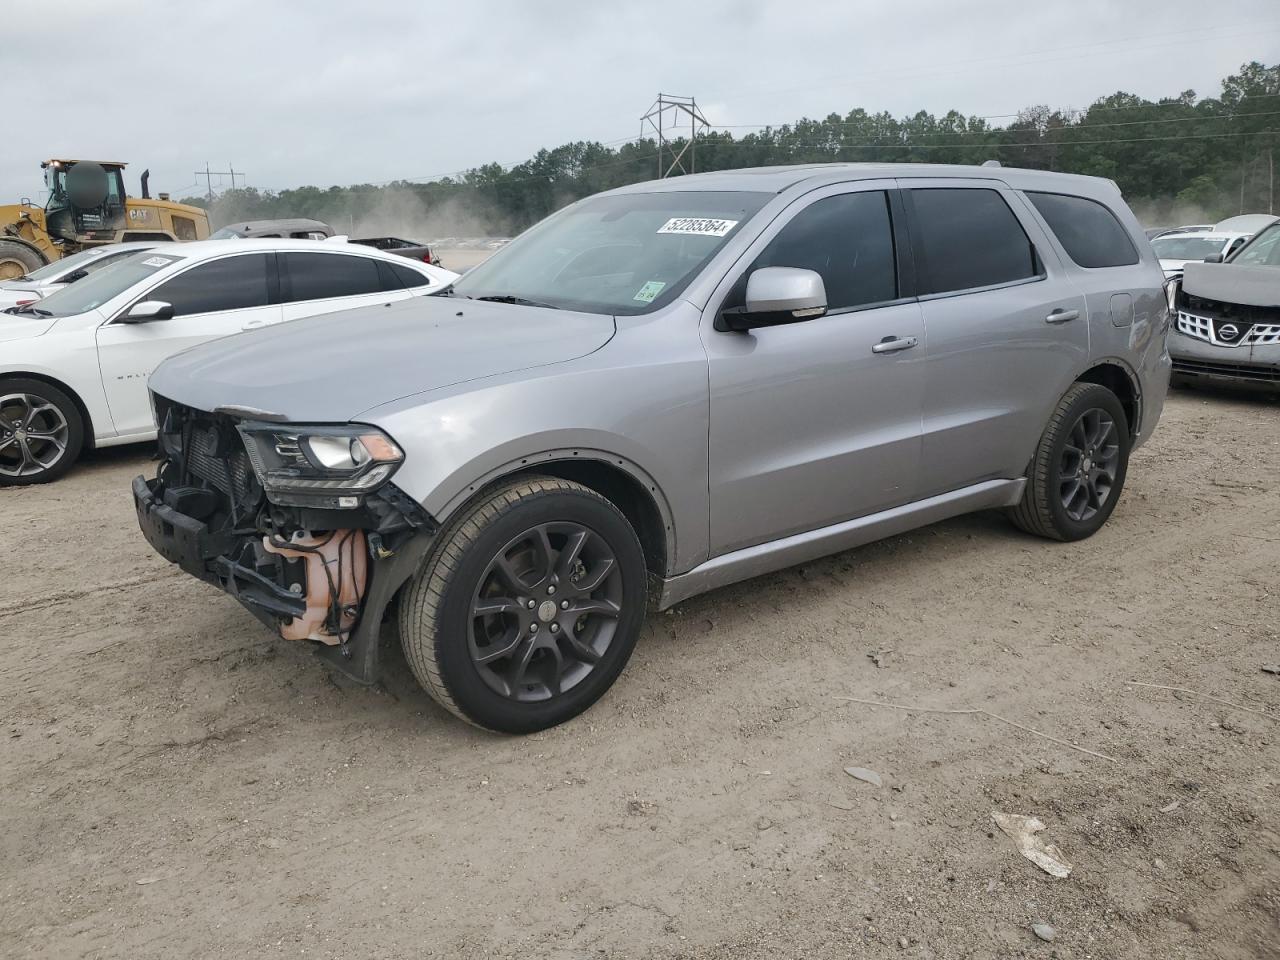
178,783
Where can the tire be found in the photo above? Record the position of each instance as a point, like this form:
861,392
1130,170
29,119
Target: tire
511,628
17,259
1055,504
43,454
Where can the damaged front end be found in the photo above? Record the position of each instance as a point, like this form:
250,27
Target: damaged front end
299,523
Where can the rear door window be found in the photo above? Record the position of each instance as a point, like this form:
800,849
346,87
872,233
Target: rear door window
231,283
966,238
1087,230
848,240
321,276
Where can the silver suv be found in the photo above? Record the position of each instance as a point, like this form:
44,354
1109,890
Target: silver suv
655,392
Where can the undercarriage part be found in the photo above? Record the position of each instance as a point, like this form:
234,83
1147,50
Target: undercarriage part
335,575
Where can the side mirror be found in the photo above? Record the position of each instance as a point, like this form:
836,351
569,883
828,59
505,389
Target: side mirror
1213,258
147,311
777,295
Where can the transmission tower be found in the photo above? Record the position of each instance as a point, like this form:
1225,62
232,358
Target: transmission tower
668,116
208,175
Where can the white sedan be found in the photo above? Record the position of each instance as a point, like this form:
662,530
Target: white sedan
52,277
74,365
1176,250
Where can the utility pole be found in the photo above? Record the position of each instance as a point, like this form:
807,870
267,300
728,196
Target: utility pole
668,113
208,175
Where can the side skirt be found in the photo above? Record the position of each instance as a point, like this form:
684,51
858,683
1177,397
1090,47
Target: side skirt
801,547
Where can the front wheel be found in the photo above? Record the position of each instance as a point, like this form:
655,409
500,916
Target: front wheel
41,432
528,608
1079,467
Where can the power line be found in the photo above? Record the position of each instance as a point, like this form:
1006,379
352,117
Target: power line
993,142
1131,44
1072,126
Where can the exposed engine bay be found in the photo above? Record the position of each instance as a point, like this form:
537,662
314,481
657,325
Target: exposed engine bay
300,552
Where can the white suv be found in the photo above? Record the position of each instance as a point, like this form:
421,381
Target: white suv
74,365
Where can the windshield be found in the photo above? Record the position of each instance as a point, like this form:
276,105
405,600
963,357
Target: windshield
87,260
66,264
1264,251
1187,247
621,254
97,288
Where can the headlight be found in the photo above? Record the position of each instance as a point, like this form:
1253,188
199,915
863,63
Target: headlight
321,466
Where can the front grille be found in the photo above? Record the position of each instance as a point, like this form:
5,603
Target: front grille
1227,332
220,460
1199,327
1235,371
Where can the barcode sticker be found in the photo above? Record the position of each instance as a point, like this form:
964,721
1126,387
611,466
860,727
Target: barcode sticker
698,226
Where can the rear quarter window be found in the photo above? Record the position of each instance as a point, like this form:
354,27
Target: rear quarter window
1087,230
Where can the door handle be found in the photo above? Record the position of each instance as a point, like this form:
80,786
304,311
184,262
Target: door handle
254,324
1062,316
894,344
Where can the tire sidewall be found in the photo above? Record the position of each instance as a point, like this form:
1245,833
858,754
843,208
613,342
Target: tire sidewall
459,672
69,411
1099,398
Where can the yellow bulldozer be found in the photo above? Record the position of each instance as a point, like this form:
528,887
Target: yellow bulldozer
87,206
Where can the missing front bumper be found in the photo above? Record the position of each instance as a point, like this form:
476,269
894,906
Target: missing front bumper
216,558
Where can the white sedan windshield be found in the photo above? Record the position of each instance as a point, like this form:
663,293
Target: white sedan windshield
1186,247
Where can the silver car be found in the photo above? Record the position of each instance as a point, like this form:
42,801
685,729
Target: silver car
1227,330
655,392
55,276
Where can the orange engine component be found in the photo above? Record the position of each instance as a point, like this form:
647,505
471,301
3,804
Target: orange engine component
337,565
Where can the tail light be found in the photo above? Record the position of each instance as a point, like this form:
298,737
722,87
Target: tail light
426,256
23,303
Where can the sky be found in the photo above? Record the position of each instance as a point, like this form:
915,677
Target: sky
341,91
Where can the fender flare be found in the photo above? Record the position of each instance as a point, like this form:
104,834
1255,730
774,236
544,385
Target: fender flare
529,463
1135,382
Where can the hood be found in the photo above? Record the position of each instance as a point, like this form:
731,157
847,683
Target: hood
1175,266
1255,286
329,369
23,326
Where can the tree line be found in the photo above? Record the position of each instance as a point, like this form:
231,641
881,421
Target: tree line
1177,157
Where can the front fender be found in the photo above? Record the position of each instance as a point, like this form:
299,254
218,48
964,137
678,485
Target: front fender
648,420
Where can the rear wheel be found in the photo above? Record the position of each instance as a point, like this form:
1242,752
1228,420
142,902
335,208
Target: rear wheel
41,432
1079,467
528,608
17,259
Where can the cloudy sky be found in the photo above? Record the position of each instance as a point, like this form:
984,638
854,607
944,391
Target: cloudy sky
341,91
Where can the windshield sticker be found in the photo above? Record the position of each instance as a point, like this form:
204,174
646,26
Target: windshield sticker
698,226
649,291
156,262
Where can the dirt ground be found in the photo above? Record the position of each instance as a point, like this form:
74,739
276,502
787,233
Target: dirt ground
176,783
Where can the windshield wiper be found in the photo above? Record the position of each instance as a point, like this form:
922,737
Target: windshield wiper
28,308
512,298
